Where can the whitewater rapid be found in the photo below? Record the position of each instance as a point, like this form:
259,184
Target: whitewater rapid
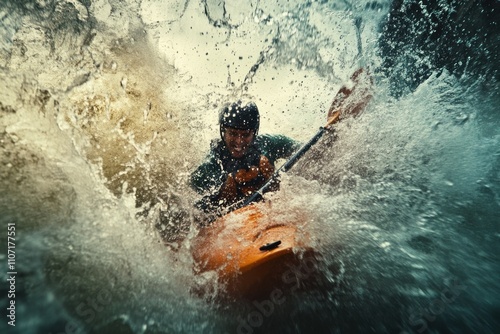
107,106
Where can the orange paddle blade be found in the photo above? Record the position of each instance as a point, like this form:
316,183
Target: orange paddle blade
352,98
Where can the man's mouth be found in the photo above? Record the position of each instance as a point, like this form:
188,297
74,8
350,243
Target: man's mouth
238,150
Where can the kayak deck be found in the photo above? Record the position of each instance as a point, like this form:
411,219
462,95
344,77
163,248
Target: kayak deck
253,250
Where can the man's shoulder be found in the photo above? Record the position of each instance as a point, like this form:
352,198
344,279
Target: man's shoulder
276,146
267,139
216,149
271,139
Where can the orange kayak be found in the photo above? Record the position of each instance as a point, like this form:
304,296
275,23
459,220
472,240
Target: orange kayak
256,251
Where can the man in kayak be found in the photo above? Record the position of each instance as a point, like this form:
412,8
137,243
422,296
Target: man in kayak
241,161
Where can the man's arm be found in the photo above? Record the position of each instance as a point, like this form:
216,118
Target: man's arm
206,180
207,176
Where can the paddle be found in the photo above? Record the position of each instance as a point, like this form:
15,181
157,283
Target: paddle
350,101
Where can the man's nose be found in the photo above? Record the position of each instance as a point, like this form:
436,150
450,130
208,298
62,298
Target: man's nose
238,139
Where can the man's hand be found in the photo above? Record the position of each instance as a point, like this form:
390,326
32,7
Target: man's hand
244,182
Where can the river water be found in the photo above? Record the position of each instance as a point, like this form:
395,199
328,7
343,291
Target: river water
106,107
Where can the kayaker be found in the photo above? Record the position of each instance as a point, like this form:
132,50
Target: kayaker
241,161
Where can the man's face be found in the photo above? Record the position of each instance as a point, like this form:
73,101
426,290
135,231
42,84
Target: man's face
238,141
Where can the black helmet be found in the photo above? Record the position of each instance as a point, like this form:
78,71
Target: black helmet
241,117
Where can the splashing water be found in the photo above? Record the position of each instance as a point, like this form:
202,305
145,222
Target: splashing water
107,106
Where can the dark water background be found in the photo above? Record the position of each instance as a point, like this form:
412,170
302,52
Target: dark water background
106,106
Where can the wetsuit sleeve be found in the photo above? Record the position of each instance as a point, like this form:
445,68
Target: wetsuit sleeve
207,180
207,176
